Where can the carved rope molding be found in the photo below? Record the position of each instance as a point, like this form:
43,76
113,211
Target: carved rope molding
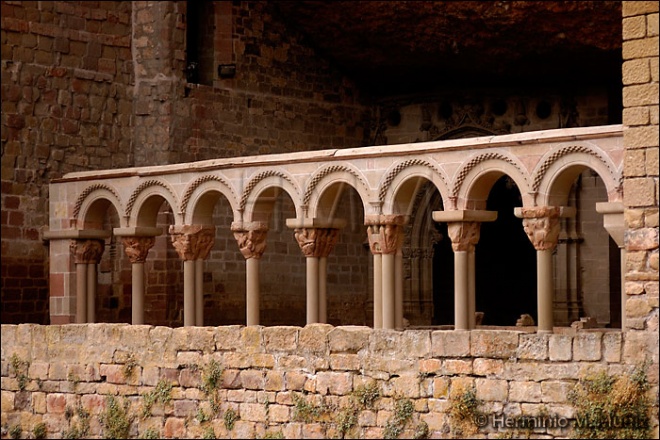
465,170
87,191
258,178
141,187
326,171
547,163
389,178
200,180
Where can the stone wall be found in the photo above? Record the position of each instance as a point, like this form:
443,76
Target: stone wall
299,382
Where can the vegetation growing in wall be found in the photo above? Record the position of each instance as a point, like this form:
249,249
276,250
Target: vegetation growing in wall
230,418
463,413
366,395
129,366
612,407
151,433
15,431
39,431
304,411
115,420
209,433
403,411
273,435
19,368
162,394
77,428
211,381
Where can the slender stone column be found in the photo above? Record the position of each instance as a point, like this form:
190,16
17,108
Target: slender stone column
316,244
542,227
87,254
398,288
137,249
464,229
251,239
385,234
613,221
193,243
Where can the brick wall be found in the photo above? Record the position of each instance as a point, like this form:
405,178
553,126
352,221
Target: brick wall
267,370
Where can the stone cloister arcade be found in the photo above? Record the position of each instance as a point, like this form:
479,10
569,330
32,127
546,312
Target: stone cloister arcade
544,165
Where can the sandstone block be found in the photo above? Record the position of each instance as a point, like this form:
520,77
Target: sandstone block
344,362
640,137
641,192
274,381
612,345
635,163
556,390
227,337
640,346
279,413
457,366
637,307
337,384
174,427
440,387
488,367
251,339
525,391
254,412
236,360
587,347
262,360
493,343
314,338
533,346
416,343
252,379
349,339
384,342
634,27
430,365
283,338
636,116
641,94
450,343
629,9
492,390
407,385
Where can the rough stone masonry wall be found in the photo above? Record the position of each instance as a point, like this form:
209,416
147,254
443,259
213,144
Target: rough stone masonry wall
66,106
266,371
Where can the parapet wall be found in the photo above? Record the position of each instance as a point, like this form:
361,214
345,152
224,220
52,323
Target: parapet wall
317,381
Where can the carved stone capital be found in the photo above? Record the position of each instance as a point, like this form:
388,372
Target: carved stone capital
251,238
464,236
137,248
386,236
87,251
192,241
542,226
316,242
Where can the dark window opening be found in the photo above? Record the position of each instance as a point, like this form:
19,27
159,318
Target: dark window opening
199,42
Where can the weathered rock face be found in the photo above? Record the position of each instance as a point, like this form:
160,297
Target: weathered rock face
397,46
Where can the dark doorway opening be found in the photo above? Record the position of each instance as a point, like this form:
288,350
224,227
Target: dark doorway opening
505,261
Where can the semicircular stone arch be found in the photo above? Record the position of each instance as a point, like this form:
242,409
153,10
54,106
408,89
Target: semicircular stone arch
145,202
255,204
558,170
476,177
91,206
201,195
397,190
319,194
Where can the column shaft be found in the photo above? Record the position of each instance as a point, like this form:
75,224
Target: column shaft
81,293
252,287
472,291
461,291
137,293
323,290
388,291
199,292
398,289
92,281
624,297
312,289
378,291
545,290
188,293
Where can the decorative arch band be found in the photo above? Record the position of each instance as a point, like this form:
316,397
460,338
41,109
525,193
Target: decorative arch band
389,178
142,187
465,170
258,178
326,171
199,181
87,191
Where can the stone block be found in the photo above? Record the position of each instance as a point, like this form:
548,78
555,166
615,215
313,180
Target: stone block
253,412
493,343
634,27
640,346
492,390
629,9
637,307
252,379
227,338
416,343
635,163
262,360
450,343
344,362
384,342
587,346
641,137
283,338
251,339
612,345
440,387
488,367
349,339
639,192
314,338
636,116
457,366
337,384
533,346
274,381
279,413
641,94
525,391
407,386
556,390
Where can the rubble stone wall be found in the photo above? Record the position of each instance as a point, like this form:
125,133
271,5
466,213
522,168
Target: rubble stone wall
300,382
